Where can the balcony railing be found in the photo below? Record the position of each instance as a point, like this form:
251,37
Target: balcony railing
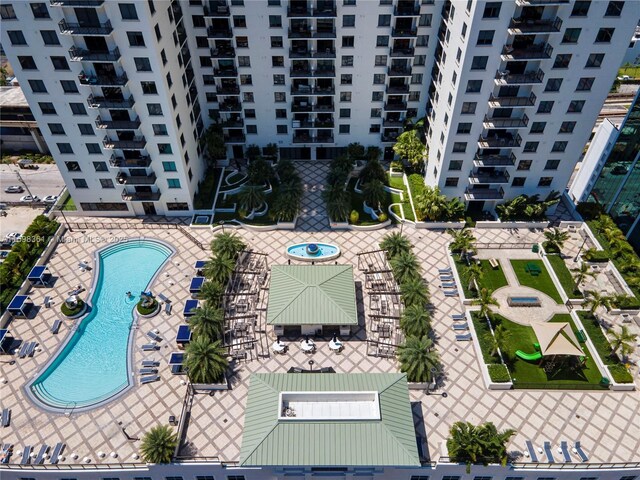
323,108
398,89
300,53
324,33
225,72
472,193
535,3
301,107
399,71
324,72
495,141
490,160
234,138
300,72
120,162
136,143
230,107
393,122
219,33
228,90
511,102
402,52
299,11
391,137
103,80
506,78
81,55
101,29
308,90
407,11
496,122
117,124
124,179
488,178
399,106
223,52
116,103
76,3
324,11
216,9
140,196
539,51
233,123
404,32
313,139
528,26
300,33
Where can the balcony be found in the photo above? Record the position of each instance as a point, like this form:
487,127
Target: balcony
233,123
326,11
115,103
219,33
223,52
235,138
476,178
323,124
225,72
538,51
472,193
136,143
402,52
325,72
496,122
527,78
399,71
124,179
491,160
117,125
299,11
230,107
393,122
389,138
227,89
120,162
511,102
140,196
496,141
300,53
528,26
103,80
323,108
300,33
300,72
537,3
395,106
76,3
216,9
301,107
309,139
398,89
101,29
307,90
81,55
407,11
324,53
404,32
325,33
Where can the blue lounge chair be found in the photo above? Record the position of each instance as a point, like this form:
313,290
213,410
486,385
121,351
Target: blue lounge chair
451,293
26,455
461,326
43,451
167,308
6,417
565,452
150,363
532,451
459,316
445,270
153,378
31,349
7,451
148,371
190,308
448,285
56,326
57,450
548,452
147,347
23,350
154,336
580,452
466,337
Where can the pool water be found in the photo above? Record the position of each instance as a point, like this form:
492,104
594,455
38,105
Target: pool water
93,365
325,251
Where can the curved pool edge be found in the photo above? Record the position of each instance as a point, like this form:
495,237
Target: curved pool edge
324,258
37,402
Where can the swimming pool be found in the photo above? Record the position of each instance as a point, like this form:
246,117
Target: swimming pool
93,365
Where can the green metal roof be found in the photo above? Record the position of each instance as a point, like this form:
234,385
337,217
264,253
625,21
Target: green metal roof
390,441
312,295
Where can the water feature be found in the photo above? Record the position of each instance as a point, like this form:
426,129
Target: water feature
313,252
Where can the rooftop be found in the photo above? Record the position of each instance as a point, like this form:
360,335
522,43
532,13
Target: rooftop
12,97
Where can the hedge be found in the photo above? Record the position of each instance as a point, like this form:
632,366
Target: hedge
596,256
620,374
498,373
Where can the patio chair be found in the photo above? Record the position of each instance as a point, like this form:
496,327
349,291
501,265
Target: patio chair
150,363
461,326
532,451
40,458
150,379
147,347
167,308
6,417
446,277
163,298
578,451
448,285
458,316
451,293
23,350
154,336
148,371
548,452
31,349
7,451
26,455
466,337
56,326
565,452
57,450
47,301
444,270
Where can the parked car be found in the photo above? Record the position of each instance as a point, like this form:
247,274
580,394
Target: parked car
29,198
13,236
3,254
50,199
14,189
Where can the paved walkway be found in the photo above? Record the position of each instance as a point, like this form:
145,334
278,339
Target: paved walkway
313,217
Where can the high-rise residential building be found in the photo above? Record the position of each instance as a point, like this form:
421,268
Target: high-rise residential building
123,91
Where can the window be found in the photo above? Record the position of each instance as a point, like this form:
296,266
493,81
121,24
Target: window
562,60
78,108
169,166
614,9
479,63
380,60
198,21
491,10
524,165
279,97
65,148
347,61
419,60
7,12
99,166
376,112
378,78
163,55
552,164
455,165
382,41
580,9
459,147
464,128
249,113
518,181
530,147
374,128
56,129
173,182
157,31
425,20
348,20
414,96
244,61
605,35
384,20
106,183
276,42
49,37
242,42
545,181
94,148
239,21
165,148
559,146
347,41
142,64
154,109
345,113
538,127
594,60
270,3
416,79
468,108
281,113
278,79
346,79
344,129
485,37
275,21
80,183
16,37
128,11
422,41
248,80
27,63
571,35
47,108
247,97
136,39
345,96
349,3
86,129
252,129
474,86
553,85
567,127
277,61
450,182
585,84
159,129
575,106
39,10
545,106
454,78
37,86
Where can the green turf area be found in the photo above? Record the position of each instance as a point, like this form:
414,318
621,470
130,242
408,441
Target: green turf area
69,205
633,72
542,282
396,182
203,200
598,338
491,279
565,276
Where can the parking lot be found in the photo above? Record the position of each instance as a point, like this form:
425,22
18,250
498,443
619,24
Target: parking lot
46,180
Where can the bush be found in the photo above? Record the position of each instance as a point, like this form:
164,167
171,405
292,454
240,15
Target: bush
354,216
627,303
620,374
397,166
498,373
383,217
593,255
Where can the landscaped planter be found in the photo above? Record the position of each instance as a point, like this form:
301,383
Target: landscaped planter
148,312
287,225
619,387
72,314
418,385
222,385
339,225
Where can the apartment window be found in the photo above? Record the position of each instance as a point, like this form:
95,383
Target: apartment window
376,112
604,35
163,55
78,109
281,113
159,129
277,61
247,79
479,63
278,79
552,165
106,183
492,10
270,3
416,79
344,129
425,20
378,78
56,129
567,127
154,109
346,79
518,181
86,129
37,86
414,96
276,42
585,84
382,41
575,106
345,113
545,181
348,41
524,165
571,35
459,55
279,97
559,146
383,21
16,37
239,21
348,20
252,129
419,60
47,108
136,39
7,12
538,127
545,106
149,88
614,9
459,147
244,61
455,165
242,42
450,182
174,103
173,182
377,96
198,21
99,166
530,147
468,108
142,64
157,31
485,37
27,63
347,61
553,85
474,86
345,96
594,60
454,78
165,148
39,10
422,41
380,60
562,60
275,21
580,9
169,167
374,128
128,11
65,148
247,97
464,128
80,183
49,37
249,113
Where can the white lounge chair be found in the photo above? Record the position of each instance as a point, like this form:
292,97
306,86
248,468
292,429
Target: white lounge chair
461,326
57,450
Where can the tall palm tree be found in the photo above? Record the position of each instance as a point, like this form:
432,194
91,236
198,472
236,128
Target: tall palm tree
417,358
495,442
414,292
499,341
556,239
595,300
432,203
474,275
251,197
207,322
395,243
227,244
205,361
486,300
405,266
158,444
478,444
219,268
462,241
211,292
622,342
374,194
415,321
581,273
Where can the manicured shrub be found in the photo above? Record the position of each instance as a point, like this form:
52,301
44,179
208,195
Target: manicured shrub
620,374
498,373
383,217
354,216
593,255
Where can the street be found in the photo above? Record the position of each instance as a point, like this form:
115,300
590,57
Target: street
44,181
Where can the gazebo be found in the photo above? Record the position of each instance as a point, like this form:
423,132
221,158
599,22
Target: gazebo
556,339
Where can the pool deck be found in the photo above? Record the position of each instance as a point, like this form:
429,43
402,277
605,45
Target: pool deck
602,421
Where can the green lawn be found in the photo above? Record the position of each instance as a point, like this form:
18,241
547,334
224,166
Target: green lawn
565,276
491,279
396,182
542,282
633,72
597,337
69,205
203,200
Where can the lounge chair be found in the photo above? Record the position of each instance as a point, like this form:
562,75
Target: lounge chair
40,458
150,363
7,451
148,371
153,336
458,316
23,350
465,337
163,298
57,450
152,378
548,452
532,451
448,285
445,270
147,347
56,326
461,326
31,349
167,308
445,276
578,450
6,417
47,301
451,293
565,452
26,455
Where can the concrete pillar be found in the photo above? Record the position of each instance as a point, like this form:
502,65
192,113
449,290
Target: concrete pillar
39,140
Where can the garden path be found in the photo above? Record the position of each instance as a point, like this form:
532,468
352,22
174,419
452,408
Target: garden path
313,217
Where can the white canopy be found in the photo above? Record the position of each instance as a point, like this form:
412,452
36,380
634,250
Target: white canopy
556,338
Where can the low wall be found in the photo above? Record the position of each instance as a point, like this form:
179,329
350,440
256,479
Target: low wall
499,224
439,225
348,226
591,236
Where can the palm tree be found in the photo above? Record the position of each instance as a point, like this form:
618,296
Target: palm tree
409,146
581,274
207,322
405,266
374,194
462,241
211,292
158,444
454,209
414,292
395,243
251,197
373,171
474,275
486,300
495,443
431,203
417,358
622,342
595,300
499,341
556,239
205,361
227,244
482,444
219,269
415,321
